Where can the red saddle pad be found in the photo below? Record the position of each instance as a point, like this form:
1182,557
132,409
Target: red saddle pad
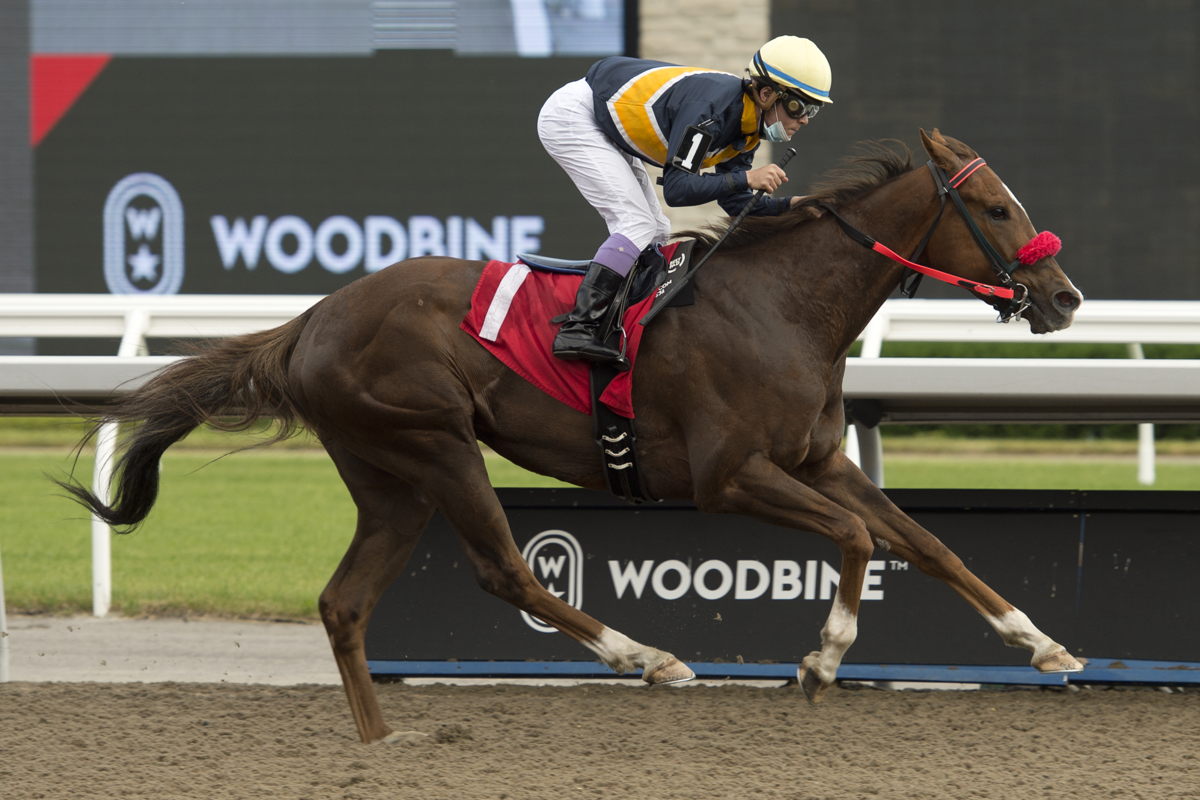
510,315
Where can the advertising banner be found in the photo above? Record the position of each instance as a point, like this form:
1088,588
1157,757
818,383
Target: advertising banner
729,589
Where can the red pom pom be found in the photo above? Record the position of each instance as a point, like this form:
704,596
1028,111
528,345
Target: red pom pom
1044,245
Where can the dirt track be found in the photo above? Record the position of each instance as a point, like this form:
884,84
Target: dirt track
159,741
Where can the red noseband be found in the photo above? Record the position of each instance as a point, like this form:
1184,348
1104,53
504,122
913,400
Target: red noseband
1044,245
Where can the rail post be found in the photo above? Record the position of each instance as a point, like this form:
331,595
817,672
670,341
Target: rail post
133,343
1146,467
3,630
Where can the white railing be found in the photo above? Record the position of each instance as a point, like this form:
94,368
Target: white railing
132,319
135,318
1133,323
1135,390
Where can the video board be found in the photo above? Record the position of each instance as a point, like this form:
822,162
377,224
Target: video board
291,149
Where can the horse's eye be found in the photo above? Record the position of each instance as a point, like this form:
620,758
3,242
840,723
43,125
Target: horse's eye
998,212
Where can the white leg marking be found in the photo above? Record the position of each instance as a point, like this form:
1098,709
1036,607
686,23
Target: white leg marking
1016,630
1048,655
840,631
621,653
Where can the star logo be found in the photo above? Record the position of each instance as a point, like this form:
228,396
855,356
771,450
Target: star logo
144,264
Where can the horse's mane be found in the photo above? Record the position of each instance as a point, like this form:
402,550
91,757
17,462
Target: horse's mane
870,165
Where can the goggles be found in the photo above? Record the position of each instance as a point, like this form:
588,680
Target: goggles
797,107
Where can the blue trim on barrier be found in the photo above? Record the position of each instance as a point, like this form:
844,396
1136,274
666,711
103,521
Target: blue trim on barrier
1099,670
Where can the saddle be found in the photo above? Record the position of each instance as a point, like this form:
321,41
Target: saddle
608,390
646,276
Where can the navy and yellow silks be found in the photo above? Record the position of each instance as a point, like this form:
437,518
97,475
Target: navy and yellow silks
634,109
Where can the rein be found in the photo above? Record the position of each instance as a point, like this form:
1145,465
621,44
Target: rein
1015,294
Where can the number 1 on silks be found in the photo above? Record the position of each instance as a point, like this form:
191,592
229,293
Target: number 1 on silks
692,149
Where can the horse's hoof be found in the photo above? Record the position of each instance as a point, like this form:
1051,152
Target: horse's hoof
1058,661
810,682
671,670
403,737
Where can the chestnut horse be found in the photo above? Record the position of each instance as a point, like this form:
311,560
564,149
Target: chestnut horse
739,401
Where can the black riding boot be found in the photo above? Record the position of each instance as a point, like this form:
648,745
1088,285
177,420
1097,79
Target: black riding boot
579,338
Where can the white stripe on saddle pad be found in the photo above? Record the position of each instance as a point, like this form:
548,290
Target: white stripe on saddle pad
502,300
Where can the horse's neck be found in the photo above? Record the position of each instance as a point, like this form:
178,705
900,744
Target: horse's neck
854,282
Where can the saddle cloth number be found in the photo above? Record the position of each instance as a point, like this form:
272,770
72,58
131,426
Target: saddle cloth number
692,149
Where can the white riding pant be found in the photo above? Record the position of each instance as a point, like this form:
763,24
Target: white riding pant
614,182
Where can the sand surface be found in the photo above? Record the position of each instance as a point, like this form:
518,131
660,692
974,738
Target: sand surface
192,735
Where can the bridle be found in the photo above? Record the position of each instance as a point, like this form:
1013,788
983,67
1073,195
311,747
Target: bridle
1015,296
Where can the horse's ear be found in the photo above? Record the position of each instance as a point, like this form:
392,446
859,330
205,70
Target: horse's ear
939,150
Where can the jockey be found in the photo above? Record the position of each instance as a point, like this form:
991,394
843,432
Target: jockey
627,111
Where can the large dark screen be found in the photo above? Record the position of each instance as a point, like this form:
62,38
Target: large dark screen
293,154
1089,112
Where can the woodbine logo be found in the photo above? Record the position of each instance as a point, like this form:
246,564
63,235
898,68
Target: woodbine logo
556,558
342,244
143,236
144,239
744,579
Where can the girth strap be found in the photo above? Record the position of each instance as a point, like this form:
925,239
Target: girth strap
617,440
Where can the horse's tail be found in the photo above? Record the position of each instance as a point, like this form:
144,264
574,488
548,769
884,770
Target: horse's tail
230,383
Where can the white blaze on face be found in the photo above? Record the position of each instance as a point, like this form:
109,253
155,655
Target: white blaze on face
1014,199
1026,213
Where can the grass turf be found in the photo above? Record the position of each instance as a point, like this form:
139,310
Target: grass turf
258,533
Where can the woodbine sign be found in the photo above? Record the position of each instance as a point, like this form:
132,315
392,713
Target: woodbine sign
714,588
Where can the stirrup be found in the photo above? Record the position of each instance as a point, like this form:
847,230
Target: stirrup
619,362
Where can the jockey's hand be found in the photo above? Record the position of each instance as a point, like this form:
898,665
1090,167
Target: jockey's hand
770,178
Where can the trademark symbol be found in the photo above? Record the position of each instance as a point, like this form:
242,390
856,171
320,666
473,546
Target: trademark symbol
897,566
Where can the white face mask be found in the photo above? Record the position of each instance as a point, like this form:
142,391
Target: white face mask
775,132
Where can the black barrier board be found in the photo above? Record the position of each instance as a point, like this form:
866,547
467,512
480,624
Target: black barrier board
1106,574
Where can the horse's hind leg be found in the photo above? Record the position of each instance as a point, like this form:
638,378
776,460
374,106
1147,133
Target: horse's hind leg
391,517
466,498
895,531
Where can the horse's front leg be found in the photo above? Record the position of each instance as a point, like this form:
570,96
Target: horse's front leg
895,531
762,489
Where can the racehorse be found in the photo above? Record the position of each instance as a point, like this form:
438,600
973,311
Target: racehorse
738,397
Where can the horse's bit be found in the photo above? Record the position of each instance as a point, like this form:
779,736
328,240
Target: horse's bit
1015,294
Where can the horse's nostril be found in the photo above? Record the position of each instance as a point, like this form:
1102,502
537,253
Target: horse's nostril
1067,301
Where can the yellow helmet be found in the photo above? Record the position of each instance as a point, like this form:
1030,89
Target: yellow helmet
795,63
